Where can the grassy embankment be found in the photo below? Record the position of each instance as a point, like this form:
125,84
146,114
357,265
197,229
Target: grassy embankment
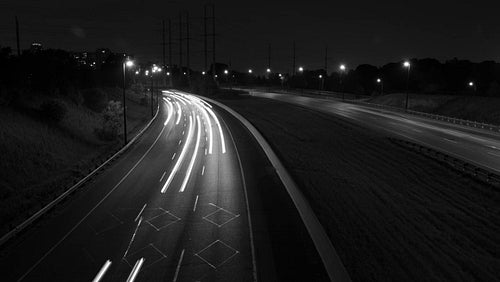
40,158
482,109
392,215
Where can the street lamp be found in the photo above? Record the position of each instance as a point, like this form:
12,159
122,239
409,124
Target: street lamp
250,71
301,69
226,71
320,81
379,81
473,86
268,70
342,70
202,73
126,63
407,65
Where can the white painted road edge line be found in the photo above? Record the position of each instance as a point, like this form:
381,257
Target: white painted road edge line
178,266
101,272
195,203
135,220
333,265
135,270
50,205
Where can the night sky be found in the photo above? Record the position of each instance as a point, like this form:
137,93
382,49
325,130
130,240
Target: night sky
374,32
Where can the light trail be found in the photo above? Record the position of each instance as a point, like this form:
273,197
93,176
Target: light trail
193,158
220,128
179,112
101,272
135,270
210,133
181,157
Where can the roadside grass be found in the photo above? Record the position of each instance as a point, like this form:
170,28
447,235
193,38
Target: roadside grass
40,159
482,109
392,214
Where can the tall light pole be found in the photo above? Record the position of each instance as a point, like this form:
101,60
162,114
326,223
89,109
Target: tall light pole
473,86
407,65
381,83
126,63
342,70
320,81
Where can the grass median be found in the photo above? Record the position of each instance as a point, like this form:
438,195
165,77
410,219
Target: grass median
392,214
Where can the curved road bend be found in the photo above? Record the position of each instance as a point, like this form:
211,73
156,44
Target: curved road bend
474,145
194,199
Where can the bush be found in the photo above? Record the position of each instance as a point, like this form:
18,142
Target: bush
112,118
53,110
95,99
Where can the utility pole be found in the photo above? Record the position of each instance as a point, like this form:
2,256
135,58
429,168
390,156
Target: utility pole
163,41
326,59
180,43
169,43
187,46
269,55
205,36
213,39
17,38
293,58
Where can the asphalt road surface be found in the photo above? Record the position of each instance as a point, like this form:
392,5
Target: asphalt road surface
194,199
480,147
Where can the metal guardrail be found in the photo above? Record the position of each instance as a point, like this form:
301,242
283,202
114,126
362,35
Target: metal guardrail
464,167
30,220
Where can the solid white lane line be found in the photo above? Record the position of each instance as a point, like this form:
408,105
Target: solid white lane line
180,141
173,156
163,175
195,203
178,266
205,152
135,270
450,140
203,170
181,157
103,270
137,217
183,132
193,158
494,154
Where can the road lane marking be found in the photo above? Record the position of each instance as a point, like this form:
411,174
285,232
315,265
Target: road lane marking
450,140
203,170
195,203
135,270
94,208
193,158
183,132
101,272
180,141
133,237
178,266
494,154
181,157
173,156
163,175
140,212
205,152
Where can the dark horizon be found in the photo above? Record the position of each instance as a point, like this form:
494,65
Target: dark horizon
377,33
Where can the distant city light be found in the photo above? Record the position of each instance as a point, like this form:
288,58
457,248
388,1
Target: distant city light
159,69
406,64
301,69
203,73
268,70
471,83
129,63
250,71
168,73
215,75
146,72
379,80
226,71
136,72
342,67
279,74
320,76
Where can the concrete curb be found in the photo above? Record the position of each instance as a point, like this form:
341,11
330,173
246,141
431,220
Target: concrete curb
61,197
333,265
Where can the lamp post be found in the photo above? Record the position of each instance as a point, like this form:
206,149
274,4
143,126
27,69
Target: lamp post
381,83
407,65
126,63
320,81
342,70
473,86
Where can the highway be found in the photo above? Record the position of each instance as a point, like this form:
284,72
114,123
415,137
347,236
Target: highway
194,199
477,146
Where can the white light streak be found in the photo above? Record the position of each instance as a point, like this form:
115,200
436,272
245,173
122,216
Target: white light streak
103,270
193,158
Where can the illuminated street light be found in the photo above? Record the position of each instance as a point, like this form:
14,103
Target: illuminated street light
159,70
126,63
379,81
146,72
301,69
279,74
226,71
407,65
136,72
342,70
320,76
472,85
203,73
250,71
168,73
268,70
